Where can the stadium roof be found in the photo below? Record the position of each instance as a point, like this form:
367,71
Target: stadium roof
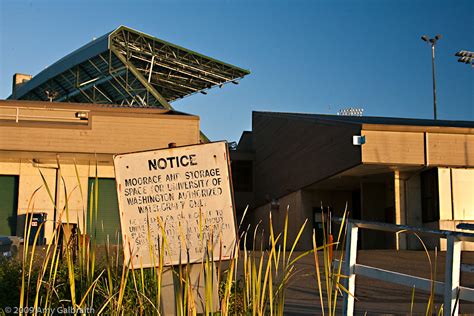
128,68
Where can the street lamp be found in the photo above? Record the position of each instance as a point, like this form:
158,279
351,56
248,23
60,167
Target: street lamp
433,42
466,57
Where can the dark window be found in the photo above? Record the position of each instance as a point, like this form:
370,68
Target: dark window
242,175
429,195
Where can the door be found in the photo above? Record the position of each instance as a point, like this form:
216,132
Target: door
8,205
105,219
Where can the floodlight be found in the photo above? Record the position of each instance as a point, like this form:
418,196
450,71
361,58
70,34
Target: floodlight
466,57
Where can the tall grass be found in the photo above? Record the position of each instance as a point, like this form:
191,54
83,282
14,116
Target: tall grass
329,281
89,277
84,275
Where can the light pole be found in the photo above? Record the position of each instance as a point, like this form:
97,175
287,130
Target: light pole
433,42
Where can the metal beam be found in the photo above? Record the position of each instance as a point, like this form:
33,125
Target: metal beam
142,80
79,90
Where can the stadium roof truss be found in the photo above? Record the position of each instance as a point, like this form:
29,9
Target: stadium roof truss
128,68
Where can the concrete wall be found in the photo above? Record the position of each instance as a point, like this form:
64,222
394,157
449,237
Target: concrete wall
463,193
456,193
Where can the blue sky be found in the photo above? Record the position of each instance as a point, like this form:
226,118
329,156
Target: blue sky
305,56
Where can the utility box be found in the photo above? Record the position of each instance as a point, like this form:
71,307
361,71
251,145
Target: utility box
34,225
5,247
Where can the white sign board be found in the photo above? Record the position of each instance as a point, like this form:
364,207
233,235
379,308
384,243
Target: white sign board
183,192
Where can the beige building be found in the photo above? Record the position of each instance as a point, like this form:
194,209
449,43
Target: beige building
69,145
403,171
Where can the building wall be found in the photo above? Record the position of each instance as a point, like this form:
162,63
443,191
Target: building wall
33,195
108,131
261,216
384,147
450,149
295,152
300,206
291,154
337,200
422,147
463,193
47,136
456,193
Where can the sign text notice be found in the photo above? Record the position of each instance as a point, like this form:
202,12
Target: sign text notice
176,202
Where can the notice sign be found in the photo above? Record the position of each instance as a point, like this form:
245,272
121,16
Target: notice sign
176,202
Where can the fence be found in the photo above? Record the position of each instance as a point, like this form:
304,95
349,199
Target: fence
451,289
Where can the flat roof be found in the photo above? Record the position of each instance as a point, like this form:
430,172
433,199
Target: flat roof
365,120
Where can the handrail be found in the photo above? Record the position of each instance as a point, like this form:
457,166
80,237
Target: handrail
77,115
451,287
43,108
393,228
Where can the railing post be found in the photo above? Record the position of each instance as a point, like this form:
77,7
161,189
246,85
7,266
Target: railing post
452,273
349,265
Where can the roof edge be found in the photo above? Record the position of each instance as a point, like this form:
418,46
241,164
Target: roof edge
151,37
369,120
89,50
